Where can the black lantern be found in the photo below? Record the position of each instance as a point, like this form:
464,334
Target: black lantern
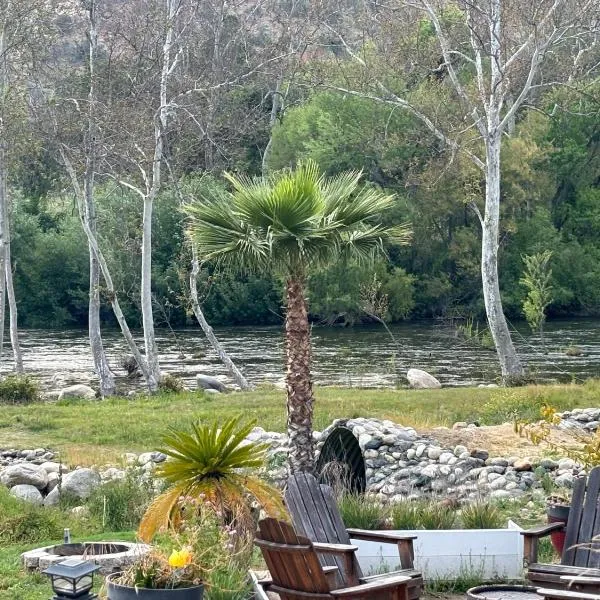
72,578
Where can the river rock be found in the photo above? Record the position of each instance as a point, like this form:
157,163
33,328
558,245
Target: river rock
24,474
522,464
434,452
80,483
548,464
52,481
29,493
419,379
206,382
77,391
53,467
480,454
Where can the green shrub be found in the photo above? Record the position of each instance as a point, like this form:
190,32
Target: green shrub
229,583
362,512
435,515
23,523
481,515
19,389
171,383
509,405
405,515
119,505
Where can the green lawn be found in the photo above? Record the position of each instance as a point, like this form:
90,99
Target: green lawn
96,432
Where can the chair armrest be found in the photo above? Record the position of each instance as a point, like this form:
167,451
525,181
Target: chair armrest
582,580
542,530
346,552
386,537
372,588
532,537
404,543
334,548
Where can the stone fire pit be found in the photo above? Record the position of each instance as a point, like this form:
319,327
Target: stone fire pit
109,556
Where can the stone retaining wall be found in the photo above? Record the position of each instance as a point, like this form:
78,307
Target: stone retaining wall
399,463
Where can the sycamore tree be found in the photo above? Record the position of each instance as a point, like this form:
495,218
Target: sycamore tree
464,69
291,223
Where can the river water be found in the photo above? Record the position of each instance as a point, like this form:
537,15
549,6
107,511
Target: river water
360,357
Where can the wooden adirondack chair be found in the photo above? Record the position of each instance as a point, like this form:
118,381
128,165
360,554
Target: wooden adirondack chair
315,515
297,574
579,568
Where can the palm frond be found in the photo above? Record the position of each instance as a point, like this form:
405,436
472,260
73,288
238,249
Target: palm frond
159,514
211,461
263,492
291,220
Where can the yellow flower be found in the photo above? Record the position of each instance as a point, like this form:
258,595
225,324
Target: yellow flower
180,558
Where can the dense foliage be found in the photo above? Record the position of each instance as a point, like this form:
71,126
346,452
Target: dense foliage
551,188
262,109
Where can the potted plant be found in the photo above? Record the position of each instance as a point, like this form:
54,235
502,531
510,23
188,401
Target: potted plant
158,577
181,564
557,511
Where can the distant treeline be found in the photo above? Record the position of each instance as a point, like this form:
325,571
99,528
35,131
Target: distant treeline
551,200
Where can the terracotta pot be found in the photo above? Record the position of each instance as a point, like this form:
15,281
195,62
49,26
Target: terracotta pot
558,513
117,591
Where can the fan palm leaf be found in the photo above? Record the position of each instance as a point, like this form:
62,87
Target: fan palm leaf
289,223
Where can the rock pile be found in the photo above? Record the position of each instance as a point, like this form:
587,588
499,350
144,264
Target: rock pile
32,475
398,463
587,419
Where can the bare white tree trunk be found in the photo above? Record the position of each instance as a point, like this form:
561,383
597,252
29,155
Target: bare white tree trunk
101,366
6,286
152,191
276,106
510,365
3,265
110,288
10,292
237,375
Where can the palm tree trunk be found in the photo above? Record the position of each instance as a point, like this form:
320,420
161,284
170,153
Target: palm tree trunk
298,382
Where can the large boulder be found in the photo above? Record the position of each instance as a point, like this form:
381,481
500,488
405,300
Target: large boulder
77,391
53,467
79,483
206,382
65,379
422,380
28,493
24,474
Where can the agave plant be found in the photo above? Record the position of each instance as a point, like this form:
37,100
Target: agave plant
210,464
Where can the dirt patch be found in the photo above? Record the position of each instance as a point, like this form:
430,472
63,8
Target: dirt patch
498,440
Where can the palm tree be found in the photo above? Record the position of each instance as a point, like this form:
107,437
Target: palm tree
211,463
289,223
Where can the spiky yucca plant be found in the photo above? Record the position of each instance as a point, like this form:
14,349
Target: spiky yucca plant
210,464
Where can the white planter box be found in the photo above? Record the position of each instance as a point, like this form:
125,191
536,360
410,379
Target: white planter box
451,553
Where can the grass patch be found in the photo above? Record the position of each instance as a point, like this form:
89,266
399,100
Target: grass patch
362,512
112,427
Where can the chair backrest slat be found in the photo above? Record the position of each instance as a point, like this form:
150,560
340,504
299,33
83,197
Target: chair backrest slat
298,567
315,514
583,523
